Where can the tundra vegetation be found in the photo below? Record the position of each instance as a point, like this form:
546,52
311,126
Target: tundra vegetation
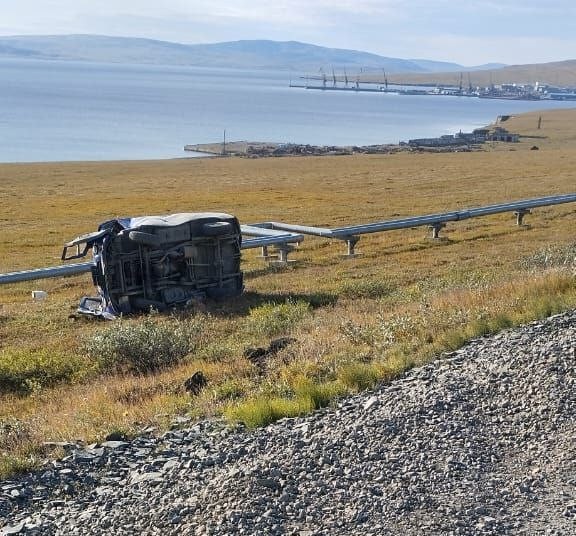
354,322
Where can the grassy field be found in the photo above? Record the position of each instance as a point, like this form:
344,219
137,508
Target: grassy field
355,321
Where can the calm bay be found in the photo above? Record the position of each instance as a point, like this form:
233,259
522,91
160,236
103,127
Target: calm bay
67,111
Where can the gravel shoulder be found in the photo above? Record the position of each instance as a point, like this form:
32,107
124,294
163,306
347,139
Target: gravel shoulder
481,441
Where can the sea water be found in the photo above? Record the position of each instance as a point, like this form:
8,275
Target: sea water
66,111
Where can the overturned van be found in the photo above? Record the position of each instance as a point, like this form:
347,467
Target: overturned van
160,262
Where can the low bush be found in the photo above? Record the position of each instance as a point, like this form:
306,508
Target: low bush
217,351
263,411
271,319
12,464
319,395
305,397
26,371
231,389
366,288
358,376
143,346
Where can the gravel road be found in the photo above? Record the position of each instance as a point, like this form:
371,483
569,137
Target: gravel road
481,441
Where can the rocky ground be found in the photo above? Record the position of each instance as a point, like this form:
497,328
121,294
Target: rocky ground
482,441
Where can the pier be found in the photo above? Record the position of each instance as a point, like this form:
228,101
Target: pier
512,91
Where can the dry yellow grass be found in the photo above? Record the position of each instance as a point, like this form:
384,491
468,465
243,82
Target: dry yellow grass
442,288
560,73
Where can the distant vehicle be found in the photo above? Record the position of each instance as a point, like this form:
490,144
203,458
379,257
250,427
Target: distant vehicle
160,262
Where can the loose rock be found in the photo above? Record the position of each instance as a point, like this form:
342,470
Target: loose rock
479,442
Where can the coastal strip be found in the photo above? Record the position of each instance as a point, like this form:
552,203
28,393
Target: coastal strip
461,141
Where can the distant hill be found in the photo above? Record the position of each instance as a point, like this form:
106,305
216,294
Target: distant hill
562,73
279,55
289,55
431,66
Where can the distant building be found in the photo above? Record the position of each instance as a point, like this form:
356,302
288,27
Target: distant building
501,134
449,140
442,141
481,134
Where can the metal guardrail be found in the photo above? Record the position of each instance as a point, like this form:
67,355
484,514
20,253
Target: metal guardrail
284,235
264,238
45,273
436,222
267,237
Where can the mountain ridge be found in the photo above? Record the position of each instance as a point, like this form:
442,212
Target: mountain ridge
254,54
292,56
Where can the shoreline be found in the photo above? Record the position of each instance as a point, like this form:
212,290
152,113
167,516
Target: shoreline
461,141
259,148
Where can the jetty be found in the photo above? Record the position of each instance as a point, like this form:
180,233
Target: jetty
512,91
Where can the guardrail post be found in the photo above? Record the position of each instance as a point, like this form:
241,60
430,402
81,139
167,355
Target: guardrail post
520,215
351,242
264,253
283,251
436,228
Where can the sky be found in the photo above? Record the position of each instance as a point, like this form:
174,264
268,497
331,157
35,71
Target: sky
468,32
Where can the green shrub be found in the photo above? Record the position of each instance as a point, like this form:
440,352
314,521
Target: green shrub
366,288
358,376
263,411
319,395
453,339
27,371
271,319
12,465
217,351
231,389
500,322
306,397
142,346
321,299
544,307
